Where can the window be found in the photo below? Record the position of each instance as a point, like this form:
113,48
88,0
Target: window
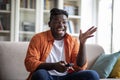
104,24
109,25
116,26
105,14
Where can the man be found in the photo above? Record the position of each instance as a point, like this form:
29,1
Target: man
50,52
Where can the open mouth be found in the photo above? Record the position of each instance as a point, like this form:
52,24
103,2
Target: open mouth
60,30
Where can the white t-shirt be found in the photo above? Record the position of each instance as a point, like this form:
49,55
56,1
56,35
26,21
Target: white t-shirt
56,55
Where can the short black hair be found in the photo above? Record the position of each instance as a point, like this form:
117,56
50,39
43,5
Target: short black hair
56,11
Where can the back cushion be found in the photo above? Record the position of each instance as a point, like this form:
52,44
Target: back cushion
12,56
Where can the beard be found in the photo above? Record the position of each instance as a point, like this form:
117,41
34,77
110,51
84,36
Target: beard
58,33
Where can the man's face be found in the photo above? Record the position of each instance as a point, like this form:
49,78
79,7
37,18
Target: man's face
58,26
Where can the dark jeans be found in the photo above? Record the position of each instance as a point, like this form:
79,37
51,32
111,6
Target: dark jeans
80,75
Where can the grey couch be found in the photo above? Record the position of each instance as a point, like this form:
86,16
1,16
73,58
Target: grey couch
12,56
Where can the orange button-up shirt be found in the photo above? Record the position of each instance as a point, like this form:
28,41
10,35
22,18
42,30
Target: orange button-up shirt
40,47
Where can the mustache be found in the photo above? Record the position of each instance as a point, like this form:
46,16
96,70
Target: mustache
59,28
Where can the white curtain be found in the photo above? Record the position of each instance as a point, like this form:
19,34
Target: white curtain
106,13
104,24
109,25
116,26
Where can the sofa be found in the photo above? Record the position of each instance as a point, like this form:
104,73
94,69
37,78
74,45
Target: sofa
12,56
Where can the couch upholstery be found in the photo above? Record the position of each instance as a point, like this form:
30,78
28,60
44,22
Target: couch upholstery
12,56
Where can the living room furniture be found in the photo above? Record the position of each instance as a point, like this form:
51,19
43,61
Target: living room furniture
12,56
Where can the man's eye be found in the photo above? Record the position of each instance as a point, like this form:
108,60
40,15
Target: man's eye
57,22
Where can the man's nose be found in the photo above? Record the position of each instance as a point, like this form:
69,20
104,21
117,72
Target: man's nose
61,24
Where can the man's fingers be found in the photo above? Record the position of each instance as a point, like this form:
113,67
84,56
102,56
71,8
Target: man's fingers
91,30
80,31
62,62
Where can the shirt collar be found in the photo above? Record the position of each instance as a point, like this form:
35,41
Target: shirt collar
49,35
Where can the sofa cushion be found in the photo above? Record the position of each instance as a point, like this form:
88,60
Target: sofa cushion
93,51
12,56
105,64
116,70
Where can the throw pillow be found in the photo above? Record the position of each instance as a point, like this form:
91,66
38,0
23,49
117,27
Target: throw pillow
104,64
116,70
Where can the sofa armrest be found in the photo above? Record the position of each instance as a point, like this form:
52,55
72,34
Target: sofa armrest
93,51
